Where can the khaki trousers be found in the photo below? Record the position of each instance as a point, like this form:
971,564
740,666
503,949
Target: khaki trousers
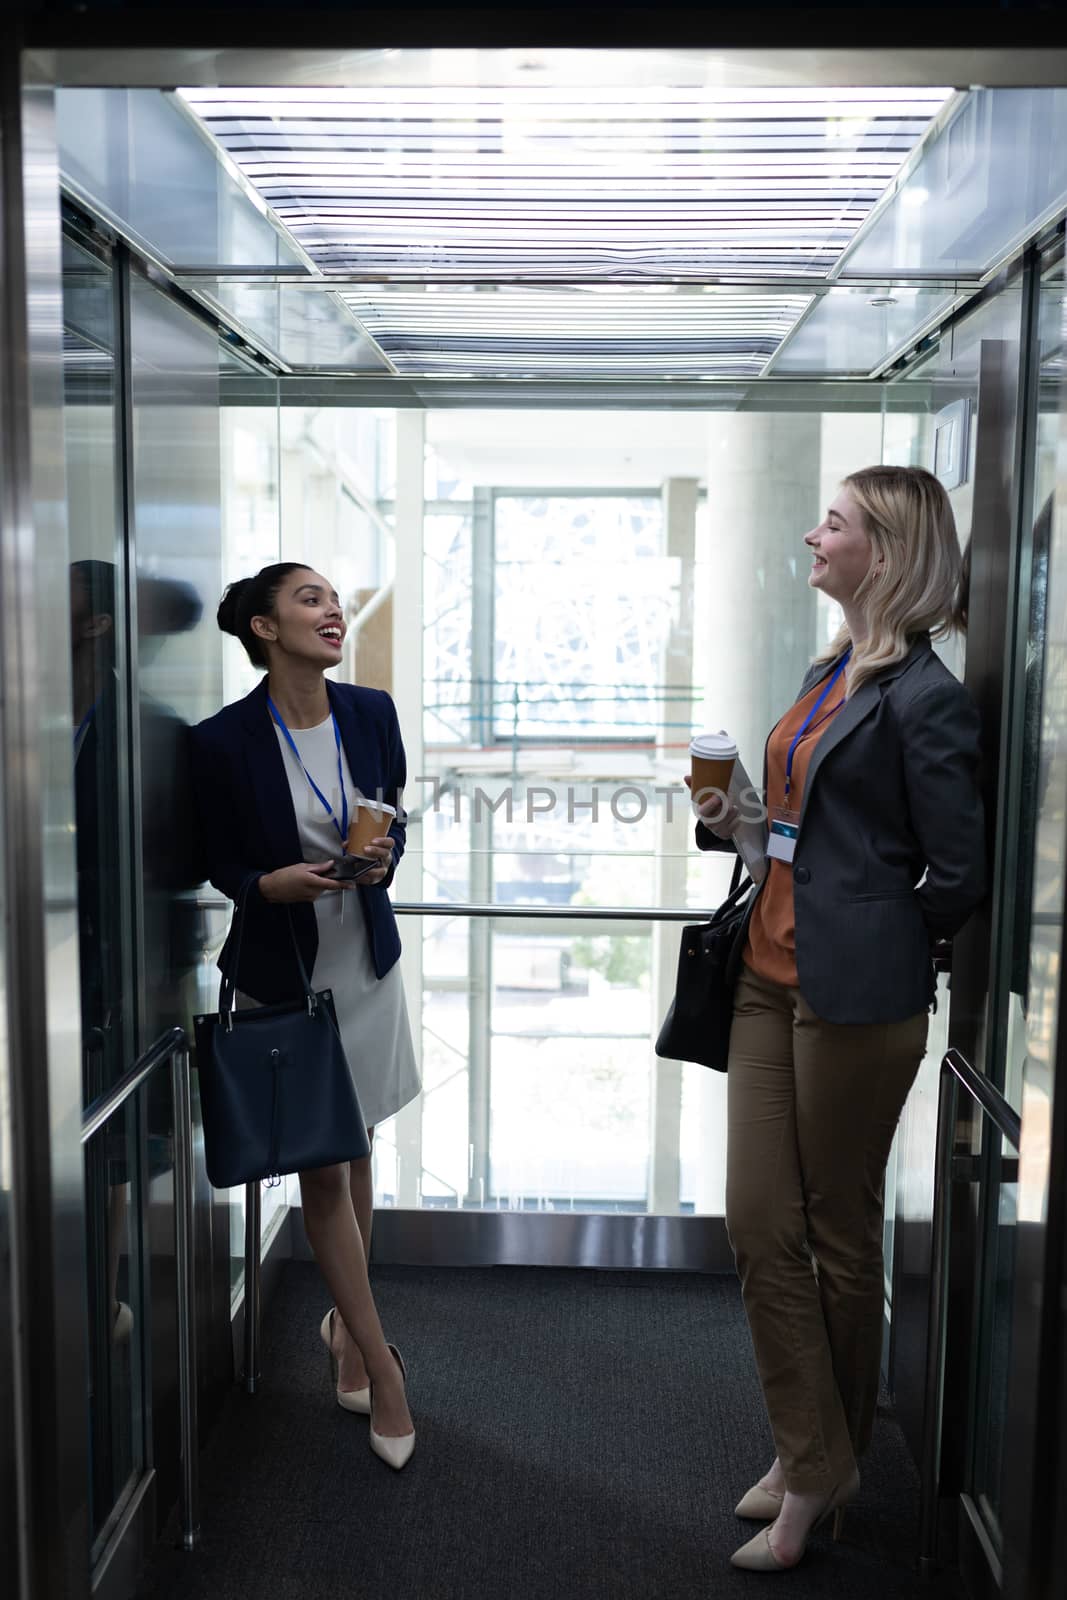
812,1108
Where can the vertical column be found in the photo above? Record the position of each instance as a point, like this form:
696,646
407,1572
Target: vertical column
672,837
763,496
408,695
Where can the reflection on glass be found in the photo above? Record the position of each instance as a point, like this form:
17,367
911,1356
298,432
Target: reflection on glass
312,329
984,180
176,486
137,156
854,330
1050,861
97,674
175,491
1032,967
1043,813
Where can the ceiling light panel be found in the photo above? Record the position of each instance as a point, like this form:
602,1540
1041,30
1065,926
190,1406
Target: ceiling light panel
576,332
548,181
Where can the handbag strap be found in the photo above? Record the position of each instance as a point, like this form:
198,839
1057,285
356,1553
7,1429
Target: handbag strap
232,965
740,884
232,962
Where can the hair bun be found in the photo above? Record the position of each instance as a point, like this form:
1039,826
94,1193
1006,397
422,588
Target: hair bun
229,612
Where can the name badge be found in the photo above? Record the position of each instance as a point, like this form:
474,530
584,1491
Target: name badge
782,834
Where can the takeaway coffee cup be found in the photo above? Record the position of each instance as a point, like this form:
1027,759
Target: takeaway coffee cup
712,757
370,820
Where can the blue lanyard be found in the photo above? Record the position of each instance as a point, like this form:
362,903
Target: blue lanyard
342,826
802,730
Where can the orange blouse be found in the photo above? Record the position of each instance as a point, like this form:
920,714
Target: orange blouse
771,946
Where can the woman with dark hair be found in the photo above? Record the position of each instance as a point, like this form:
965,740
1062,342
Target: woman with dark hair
876,850
276,777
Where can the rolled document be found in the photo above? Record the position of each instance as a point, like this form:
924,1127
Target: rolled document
750,831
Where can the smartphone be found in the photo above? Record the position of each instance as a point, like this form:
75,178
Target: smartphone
347,869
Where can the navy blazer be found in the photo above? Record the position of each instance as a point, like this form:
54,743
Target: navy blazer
248,826
890,852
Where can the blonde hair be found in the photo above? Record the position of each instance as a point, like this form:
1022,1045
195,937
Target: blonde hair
914,580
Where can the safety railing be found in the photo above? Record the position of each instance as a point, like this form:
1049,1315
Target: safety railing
955,1072
441,908
564,913
172,1046
511,711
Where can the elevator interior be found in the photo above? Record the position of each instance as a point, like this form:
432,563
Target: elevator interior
549,362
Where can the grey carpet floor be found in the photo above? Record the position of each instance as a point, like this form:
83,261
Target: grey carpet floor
581,1436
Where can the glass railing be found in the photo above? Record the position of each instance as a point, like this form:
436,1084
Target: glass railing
541,1088
535,1028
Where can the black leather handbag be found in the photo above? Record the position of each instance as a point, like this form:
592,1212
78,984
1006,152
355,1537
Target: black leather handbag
275,1088
697,1026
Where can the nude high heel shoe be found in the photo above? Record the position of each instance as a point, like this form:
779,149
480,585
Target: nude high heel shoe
357,1400
396,1452
758,1504
758,1554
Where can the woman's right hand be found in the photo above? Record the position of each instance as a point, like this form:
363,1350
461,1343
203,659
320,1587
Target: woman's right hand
718,814
297,884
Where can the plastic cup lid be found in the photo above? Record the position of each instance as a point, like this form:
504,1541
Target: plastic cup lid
375,805
714,746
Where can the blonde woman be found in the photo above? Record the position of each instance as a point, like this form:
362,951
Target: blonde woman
876,849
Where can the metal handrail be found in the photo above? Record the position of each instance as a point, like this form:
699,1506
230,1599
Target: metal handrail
444,908
172,1046
439,908
1007,1121
955,1071
105,1106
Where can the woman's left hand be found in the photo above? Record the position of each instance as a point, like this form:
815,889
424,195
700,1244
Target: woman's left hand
382,850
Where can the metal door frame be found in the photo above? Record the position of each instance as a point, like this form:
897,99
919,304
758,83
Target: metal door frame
41,1070
137,47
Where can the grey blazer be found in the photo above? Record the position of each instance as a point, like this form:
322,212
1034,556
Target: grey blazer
890,852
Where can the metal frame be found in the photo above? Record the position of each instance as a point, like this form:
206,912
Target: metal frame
253,1307
113,36
172,1047
262,1264
859,45
741,283
439,908
1035,1433
40,1069
606,1241
183,279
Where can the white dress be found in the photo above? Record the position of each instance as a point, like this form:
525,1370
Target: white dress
371,1011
